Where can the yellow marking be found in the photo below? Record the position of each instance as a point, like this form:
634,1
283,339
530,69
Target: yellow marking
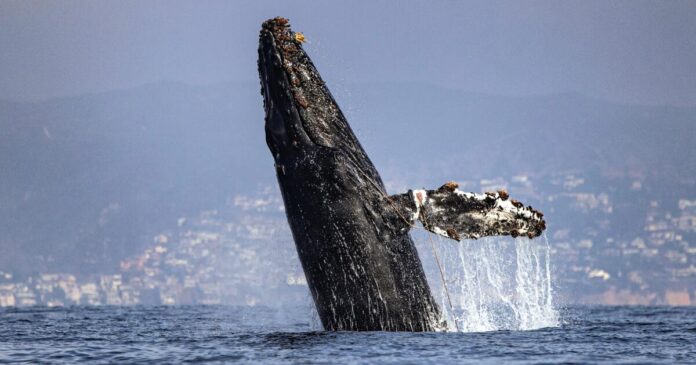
299,37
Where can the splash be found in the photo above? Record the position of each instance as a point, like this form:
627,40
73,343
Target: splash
494,284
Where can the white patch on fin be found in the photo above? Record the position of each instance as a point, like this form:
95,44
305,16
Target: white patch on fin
419,197
470,195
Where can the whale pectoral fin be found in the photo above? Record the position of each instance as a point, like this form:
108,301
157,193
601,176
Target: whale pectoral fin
455,214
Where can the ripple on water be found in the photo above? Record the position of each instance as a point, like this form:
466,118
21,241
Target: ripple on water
230,334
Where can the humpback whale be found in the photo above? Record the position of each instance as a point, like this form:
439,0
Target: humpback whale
352,237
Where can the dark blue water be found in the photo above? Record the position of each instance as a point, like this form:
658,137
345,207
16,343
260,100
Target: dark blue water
262,335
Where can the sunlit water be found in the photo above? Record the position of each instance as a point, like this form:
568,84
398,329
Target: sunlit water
264,335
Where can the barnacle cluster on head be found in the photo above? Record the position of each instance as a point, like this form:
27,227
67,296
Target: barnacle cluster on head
276,24
288,45
285,38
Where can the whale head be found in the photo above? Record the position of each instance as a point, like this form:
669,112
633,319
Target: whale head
301,113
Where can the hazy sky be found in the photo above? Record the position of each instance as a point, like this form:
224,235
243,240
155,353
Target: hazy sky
629,51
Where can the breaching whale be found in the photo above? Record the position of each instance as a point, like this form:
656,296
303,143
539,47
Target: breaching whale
352,238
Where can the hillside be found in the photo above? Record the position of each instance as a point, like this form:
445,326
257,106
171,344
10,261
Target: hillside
88,180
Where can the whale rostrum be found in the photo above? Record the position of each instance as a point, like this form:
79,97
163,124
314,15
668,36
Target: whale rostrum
352,238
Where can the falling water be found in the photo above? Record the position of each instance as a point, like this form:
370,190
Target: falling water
494,283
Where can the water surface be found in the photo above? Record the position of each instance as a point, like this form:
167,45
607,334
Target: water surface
265,335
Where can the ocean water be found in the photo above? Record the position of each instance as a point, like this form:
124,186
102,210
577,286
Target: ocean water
267,335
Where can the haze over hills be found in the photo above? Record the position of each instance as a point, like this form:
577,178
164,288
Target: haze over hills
88,181
492,135
137,159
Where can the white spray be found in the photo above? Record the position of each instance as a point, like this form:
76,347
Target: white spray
495,283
